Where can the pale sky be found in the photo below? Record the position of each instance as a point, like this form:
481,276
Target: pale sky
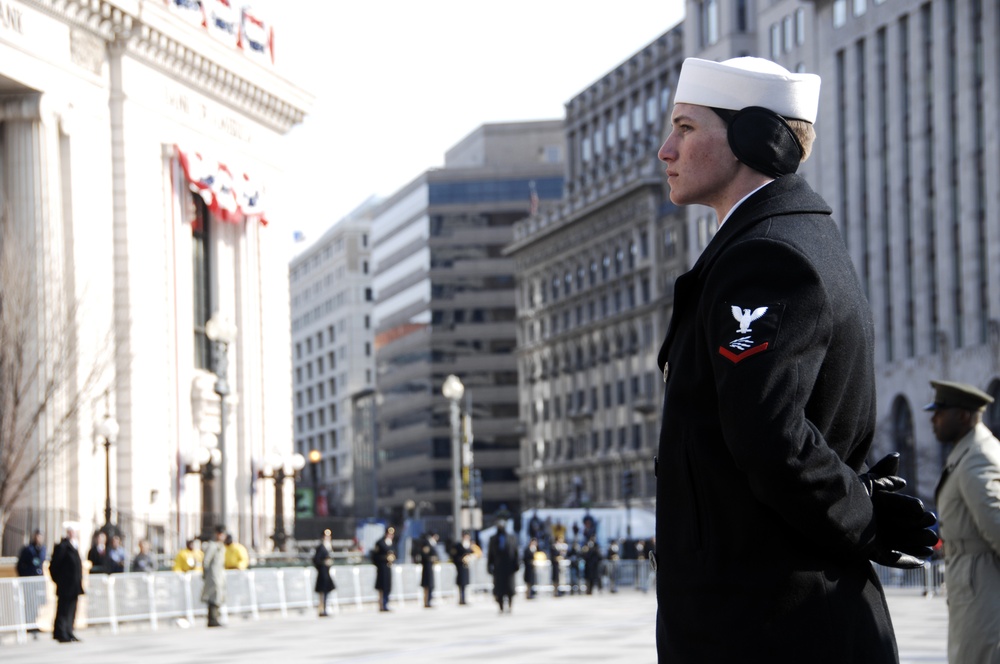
399,82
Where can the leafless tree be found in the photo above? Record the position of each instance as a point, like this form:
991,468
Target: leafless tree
43,388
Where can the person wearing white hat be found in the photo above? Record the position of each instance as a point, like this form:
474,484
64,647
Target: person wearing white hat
66,570
765,528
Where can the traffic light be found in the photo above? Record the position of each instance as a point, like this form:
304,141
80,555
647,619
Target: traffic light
628,489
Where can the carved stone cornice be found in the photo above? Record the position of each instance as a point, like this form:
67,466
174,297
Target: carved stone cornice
149,32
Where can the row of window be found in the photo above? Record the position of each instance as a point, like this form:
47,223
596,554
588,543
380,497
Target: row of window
316,261
324,286
579,402
858,8
788,33
608,441
615,126
327,308
594,310
600,270
316,418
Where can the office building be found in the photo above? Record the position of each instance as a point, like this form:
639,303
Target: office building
445,305
332,356
595,273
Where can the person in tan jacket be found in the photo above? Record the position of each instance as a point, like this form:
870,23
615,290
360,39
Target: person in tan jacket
968,500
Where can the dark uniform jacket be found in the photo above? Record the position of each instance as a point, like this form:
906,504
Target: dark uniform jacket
769,413
383,555
502,563
322,561
66,570
428,558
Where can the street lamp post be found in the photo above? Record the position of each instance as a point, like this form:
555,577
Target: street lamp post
107,429
222,332
315,456
279,468
204,461
453,389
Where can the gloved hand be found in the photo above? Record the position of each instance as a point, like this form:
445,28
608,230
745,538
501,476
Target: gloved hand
903,532
882,476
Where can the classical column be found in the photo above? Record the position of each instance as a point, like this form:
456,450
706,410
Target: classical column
33,222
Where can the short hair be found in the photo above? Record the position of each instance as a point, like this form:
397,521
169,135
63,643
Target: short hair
806,133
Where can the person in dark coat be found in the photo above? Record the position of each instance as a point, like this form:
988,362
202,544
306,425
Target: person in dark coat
323,561
66,570
32,556
462,555
558,554
98,553
114,559
428,558
502,562
383,555
591,555
769,408
529,568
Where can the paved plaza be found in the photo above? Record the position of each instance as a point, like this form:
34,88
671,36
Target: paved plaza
603,628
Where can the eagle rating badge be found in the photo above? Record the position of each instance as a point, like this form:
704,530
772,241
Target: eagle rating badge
749,330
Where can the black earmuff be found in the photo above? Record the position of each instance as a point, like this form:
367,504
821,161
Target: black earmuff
761,139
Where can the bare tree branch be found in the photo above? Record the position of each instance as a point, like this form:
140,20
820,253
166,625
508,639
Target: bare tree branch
42,387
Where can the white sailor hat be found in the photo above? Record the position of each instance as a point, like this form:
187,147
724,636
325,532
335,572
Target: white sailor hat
742,82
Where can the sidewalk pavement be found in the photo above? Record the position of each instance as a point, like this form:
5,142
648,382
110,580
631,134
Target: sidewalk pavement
605,628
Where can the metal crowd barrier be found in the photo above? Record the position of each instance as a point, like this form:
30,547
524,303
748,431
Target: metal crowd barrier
28,604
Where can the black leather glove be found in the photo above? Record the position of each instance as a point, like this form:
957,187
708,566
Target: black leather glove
882,476
903,532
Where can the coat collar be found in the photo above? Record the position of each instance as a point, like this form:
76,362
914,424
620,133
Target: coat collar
962,447
787,195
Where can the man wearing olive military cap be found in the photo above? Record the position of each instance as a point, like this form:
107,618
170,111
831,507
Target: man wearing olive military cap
769,411
968,500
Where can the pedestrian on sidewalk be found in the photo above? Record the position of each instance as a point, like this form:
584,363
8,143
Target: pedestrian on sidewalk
66,570
383,556
32,556
968,500
529,568
463,553
323,561
428,559
213,590
502,563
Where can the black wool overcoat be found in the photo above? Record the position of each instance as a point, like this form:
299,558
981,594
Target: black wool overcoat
66,570
769,413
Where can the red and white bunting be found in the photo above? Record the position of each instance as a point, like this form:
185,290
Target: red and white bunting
230,198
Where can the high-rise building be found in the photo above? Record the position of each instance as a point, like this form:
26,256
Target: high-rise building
332,356
445,305
908,115
595,275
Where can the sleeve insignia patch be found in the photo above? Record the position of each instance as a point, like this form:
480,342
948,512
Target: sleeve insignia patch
754,331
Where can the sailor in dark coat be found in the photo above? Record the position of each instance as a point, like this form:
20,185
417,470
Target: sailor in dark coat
66,570
383,556
764,528
502,562
323,561
529,568
462,555
428,557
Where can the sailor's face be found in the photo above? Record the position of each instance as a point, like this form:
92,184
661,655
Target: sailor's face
700,164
